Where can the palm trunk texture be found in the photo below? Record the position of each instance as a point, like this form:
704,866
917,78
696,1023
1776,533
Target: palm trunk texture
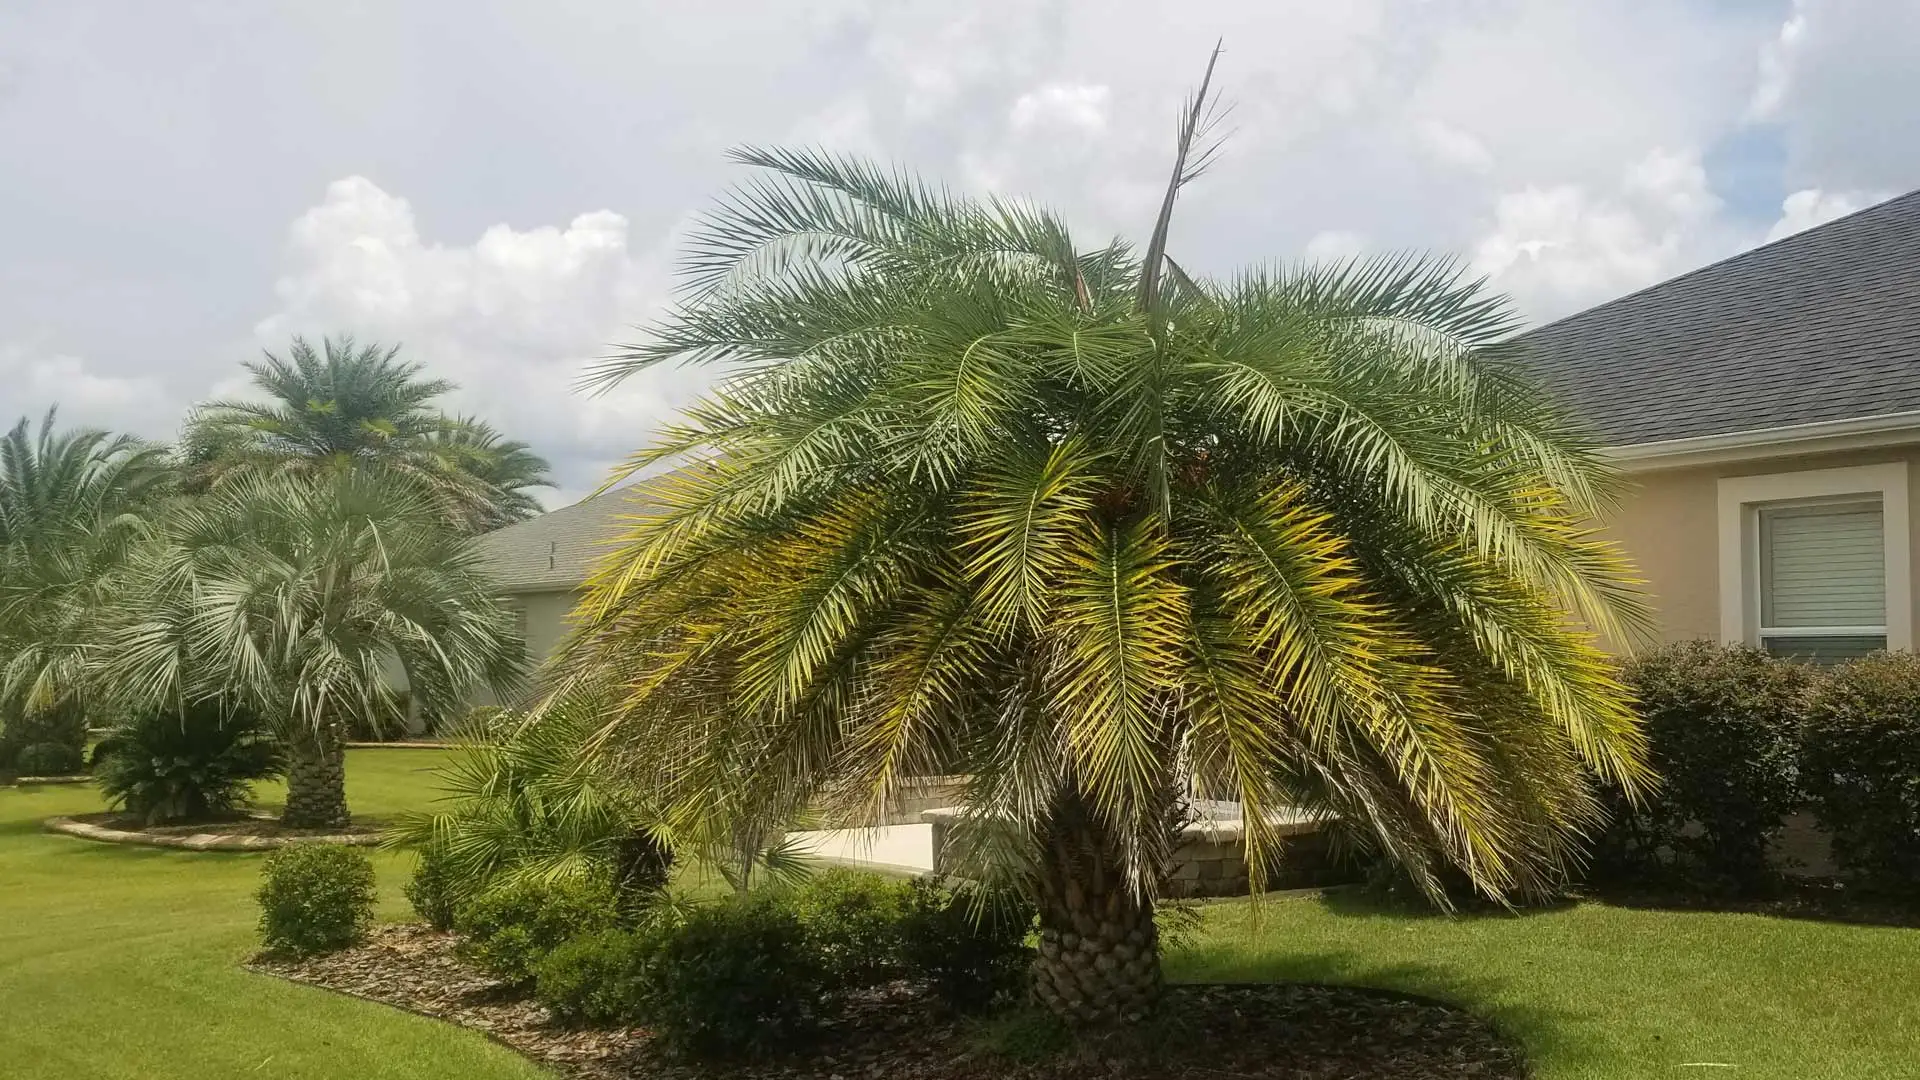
1099,959
316,781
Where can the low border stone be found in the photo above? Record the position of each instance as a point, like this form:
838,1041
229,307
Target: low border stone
37,781
201,841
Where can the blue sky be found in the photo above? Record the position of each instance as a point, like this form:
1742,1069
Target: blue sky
499,185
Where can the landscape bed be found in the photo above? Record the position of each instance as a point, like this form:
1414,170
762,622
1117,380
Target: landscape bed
1278,1031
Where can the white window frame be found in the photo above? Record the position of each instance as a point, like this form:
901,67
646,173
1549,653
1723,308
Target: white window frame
1743,497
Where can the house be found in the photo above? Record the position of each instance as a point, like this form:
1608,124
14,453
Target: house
1767,406
1768,409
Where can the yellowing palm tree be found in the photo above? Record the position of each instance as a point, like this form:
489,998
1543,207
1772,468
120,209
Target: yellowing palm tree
1103,535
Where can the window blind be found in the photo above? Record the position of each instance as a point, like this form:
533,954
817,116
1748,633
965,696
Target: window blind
1822,566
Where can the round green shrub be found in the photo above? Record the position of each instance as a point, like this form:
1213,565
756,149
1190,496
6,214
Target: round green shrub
735,979
853,923
1861,768
49,759
511,926
599,979
969,944
315,898
191,765
1722,724
436,887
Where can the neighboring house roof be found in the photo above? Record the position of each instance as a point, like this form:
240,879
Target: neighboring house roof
1820,326
557,549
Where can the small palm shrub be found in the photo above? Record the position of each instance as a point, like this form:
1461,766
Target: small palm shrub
1861,768
969,944
735,979
513,925
1723,725
315,898
853,922
188,765
598,979
49,759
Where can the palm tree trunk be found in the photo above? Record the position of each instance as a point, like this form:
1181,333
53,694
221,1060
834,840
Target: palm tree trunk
1099,959
643,863
316,780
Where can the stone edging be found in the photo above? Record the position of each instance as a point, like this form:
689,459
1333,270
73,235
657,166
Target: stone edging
207,841
37,781
422,745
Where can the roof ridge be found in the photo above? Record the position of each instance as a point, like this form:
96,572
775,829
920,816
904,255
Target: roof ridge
1803,235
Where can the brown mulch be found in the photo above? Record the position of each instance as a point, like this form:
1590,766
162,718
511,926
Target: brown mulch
1208,1032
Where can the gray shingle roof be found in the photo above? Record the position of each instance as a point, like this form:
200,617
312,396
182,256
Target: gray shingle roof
557,549
1822,325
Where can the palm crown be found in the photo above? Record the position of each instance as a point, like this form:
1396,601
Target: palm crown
1099,533
67,502
346,407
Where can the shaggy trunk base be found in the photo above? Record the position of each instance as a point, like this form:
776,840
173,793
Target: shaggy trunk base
1099,960
316,782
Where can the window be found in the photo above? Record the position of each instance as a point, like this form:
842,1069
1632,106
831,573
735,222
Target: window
1816,564
1823,579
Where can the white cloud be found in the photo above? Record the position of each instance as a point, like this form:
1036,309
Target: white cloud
84,395
512,317
1559,248
1453,146
1777,56
1802,210
1334,245
1069,105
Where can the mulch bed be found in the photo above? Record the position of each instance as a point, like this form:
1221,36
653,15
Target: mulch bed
1209,1032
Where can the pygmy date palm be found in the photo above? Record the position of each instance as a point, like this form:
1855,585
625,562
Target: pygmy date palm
291,597
1103,536
346,407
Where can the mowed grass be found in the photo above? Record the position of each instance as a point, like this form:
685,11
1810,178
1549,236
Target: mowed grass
123,962
1597,992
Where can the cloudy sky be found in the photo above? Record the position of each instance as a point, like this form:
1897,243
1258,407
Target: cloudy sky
498,185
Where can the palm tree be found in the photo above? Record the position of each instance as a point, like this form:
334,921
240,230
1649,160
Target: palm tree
346,407
69,503
289,596
527,799
1107,535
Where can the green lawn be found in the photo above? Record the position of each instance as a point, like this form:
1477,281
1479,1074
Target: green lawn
1606,992
122,962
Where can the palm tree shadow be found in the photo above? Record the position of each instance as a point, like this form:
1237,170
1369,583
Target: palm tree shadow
1560,1036
1358,900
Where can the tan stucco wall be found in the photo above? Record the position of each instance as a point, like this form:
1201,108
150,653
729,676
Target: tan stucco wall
1670,525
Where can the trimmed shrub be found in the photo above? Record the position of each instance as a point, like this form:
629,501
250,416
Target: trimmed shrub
436,887
735,979
599,979
853,922
186,766
969,944
64,725
1722,725
315,898
513,925
1861,767
50,759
